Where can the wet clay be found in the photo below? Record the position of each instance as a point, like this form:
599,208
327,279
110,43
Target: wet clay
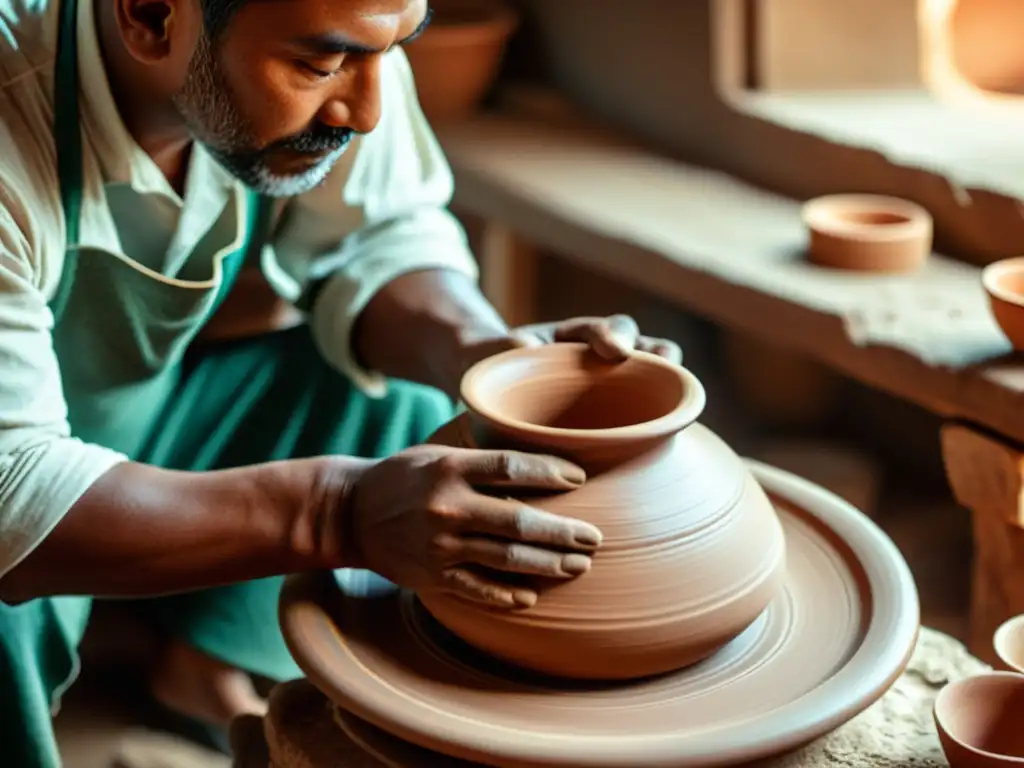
839,633
1004,284
693,550
979,721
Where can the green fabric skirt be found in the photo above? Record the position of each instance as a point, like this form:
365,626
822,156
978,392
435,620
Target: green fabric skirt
236,404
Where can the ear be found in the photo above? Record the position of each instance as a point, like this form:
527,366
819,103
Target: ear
147,27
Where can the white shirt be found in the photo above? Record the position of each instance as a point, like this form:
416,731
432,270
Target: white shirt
381,213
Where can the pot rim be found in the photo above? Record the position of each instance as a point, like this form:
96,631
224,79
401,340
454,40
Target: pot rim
826,214
1006,630
686,411
500,21
994,272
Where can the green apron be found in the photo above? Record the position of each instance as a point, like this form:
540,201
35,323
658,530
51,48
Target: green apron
134,384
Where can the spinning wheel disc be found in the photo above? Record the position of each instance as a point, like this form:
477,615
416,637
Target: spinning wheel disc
830,645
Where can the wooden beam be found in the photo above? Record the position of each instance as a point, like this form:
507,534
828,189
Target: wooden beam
987,477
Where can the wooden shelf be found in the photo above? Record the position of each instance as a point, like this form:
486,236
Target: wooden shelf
733,253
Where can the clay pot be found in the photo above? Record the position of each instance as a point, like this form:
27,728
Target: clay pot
868,233
693,551
457,58
1008,643
978,720
1004,283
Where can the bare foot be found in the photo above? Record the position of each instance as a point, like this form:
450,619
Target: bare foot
191,683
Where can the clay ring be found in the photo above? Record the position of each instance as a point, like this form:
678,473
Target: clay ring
868,233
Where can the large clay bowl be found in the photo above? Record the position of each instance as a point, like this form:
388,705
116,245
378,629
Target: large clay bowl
1004,283
979,721
868,233
833,641
676,506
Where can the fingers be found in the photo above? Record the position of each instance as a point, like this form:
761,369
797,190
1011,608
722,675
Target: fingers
613,338
515,469
664,348
519,522
515,558
482,590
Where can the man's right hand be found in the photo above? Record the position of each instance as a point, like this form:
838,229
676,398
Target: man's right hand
417,519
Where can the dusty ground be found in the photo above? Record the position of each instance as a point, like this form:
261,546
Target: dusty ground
98,727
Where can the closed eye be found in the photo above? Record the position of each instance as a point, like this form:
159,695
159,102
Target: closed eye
315,71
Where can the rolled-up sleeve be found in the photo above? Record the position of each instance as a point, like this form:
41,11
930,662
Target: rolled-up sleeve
382,213
43,470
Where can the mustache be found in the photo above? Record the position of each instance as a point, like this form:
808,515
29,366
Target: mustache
317,140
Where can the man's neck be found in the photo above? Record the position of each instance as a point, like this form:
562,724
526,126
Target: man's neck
151,120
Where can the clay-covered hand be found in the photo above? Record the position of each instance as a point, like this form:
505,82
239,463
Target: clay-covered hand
611,337
418,519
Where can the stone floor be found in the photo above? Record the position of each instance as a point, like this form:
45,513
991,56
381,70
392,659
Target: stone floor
98,727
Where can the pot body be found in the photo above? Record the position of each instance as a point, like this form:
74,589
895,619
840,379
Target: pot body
693,553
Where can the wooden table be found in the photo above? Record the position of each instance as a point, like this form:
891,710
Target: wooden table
733,254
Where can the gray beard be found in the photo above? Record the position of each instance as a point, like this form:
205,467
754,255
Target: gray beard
214,122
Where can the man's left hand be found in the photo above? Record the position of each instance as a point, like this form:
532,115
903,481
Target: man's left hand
613,338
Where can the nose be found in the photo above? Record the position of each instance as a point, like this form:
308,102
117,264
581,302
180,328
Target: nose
356,102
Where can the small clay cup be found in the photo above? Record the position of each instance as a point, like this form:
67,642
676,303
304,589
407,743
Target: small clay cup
1004,283
979,720
868,233
1008,642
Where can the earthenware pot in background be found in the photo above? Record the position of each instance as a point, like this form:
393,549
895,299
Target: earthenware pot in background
458,57
1004,283
693,550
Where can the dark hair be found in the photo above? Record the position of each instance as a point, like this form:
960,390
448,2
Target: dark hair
217,14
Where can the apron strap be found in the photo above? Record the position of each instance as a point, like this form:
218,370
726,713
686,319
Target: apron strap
67,133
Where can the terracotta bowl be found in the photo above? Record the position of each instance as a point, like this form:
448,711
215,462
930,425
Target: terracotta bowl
457,58
979,720
868,233
1004,284
693,550
1008,642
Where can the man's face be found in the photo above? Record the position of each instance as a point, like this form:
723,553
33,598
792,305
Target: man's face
279,91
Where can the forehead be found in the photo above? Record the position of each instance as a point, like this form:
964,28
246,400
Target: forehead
370,24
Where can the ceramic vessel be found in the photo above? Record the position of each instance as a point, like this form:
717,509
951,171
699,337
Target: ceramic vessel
457,58
1004,283
978,720
693,551
868,233
835,639
1008,643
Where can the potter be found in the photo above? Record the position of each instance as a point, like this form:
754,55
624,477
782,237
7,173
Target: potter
231,297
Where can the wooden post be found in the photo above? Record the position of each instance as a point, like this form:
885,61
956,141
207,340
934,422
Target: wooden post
508,267
987,477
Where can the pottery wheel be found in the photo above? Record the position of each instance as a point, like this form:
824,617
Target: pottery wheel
842,631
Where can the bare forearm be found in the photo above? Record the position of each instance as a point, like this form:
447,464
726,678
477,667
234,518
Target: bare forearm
429,327
142,531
